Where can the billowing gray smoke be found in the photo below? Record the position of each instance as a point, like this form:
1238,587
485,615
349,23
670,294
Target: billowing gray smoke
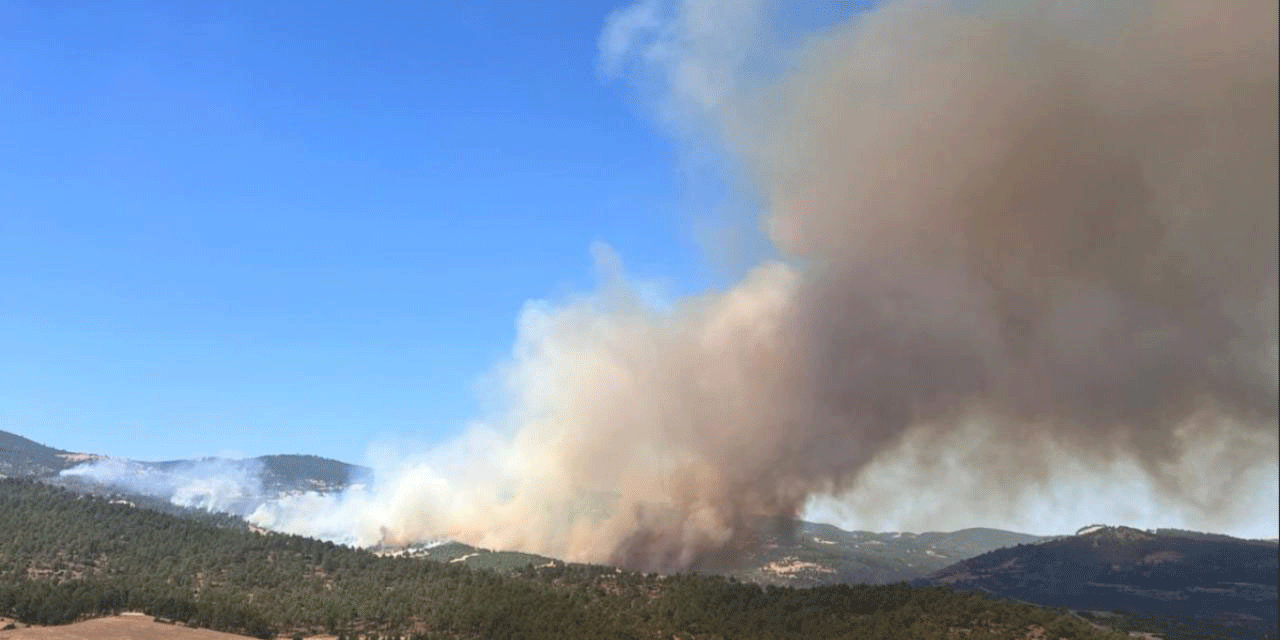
1014,240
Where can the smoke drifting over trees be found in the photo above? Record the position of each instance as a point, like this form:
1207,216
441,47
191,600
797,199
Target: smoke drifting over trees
1014,242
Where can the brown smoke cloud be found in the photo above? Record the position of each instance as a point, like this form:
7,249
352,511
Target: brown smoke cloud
1011,238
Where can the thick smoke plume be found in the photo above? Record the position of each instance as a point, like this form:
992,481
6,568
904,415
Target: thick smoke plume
1015,242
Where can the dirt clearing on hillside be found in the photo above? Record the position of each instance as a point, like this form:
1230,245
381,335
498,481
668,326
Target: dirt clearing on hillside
134,626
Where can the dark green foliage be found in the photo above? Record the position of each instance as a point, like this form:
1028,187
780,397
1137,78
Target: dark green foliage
1192,580
64,557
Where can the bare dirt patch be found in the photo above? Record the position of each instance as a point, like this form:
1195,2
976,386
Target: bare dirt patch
122,627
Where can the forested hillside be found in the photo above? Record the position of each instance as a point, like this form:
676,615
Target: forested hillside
65,556
20,456
1223,585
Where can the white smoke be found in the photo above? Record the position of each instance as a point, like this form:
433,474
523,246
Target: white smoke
212,484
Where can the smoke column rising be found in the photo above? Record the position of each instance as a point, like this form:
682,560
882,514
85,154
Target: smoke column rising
1017,244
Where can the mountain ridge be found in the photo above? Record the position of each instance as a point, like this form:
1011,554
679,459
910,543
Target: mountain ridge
21,456
1209,579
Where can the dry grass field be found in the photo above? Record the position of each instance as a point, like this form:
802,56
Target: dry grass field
130,626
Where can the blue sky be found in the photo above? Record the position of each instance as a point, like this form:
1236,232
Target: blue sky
298,227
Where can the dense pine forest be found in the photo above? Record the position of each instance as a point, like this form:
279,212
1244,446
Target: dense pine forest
66,557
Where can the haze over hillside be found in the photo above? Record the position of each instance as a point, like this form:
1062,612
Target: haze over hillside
232,486
64,556
781,552
1188,584
1098,568
1185,583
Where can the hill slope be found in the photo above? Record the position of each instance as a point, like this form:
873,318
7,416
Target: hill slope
797,553
805,554
132,626
237,486
20,457
1201,577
